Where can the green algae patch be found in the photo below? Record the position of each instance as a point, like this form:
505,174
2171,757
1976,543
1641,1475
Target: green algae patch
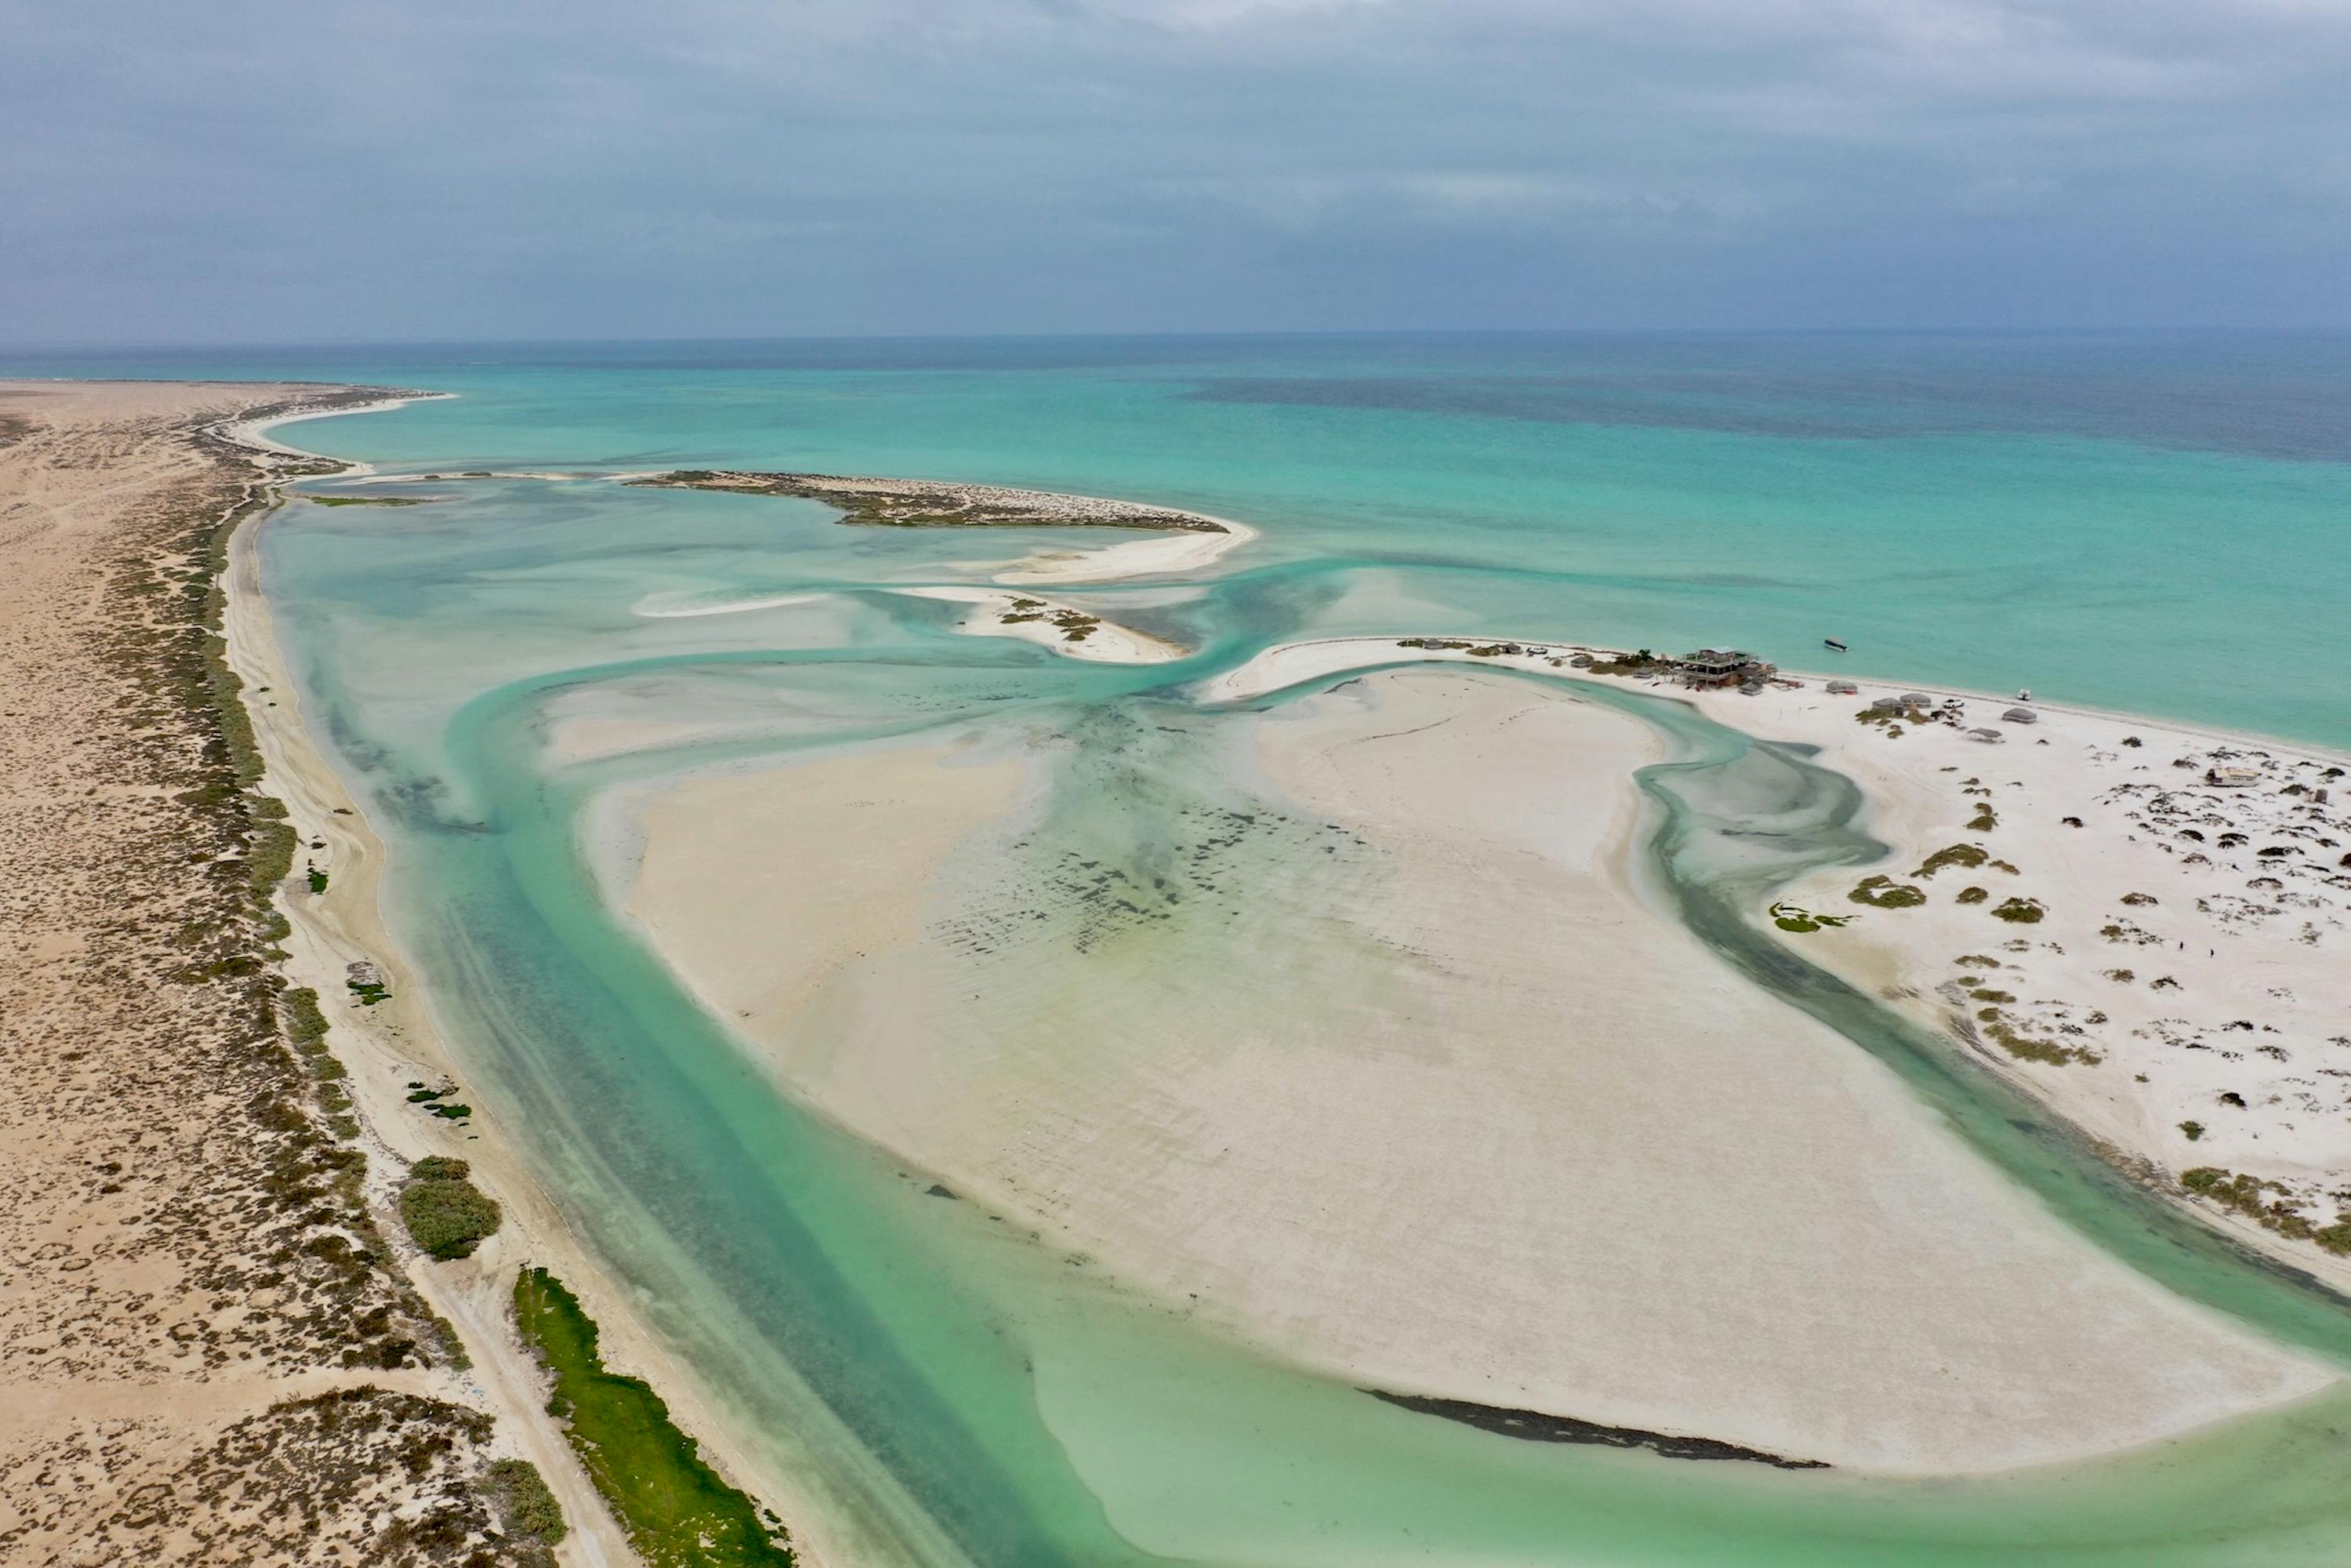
446,1215
678,1510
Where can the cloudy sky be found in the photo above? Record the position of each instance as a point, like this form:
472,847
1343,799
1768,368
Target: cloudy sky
236,170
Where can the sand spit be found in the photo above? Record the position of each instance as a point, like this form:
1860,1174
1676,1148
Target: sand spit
928,504
1399,1137
1050,623
1167,555
203,1357
2145,925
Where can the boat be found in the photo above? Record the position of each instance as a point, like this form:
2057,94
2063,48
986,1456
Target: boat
1833,644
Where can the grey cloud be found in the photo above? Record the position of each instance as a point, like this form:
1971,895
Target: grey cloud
247,170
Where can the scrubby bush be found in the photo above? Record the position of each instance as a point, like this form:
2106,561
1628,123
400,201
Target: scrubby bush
1968,855
2020,911
1885,893
525,1507
446,1215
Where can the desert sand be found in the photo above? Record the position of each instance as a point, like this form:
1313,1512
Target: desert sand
202,1358
1403,1135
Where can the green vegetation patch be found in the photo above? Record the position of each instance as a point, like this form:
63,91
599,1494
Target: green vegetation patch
446,1215
1968,855
1789,917
2027,1048
306,1023
2020,911
1974,895
365,500
2249,1196
678,1512
1985,820
1639,663
1885,893
525,1507
368,992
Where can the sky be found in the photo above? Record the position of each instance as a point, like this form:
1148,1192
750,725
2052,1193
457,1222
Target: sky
429,170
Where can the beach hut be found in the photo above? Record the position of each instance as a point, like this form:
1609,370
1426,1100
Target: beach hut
1915,699
1843,689
1989,737
2021,715
2232,777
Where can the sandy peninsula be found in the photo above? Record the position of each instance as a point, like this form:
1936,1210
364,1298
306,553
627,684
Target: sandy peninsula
2144,924
211,1349
1402,1136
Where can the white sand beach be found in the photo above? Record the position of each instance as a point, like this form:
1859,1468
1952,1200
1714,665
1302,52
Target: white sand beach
2180,996
1051,623
1164,554
1468,1115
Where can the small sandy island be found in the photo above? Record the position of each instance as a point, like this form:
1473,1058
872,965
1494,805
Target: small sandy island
1050,623
1192,541
1445,1063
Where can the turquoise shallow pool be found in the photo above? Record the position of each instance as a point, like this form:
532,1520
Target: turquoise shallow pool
1985,512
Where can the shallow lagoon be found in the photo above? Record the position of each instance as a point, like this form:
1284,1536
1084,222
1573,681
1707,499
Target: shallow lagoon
965,1394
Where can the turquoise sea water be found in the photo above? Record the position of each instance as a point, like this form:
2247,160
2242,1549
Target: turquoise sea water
2160,524
2152,525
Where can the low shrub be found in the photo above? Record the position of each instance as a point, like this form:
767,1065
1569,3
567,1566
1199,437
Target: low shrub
446,1215
1885,893
525,1504
1968,855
